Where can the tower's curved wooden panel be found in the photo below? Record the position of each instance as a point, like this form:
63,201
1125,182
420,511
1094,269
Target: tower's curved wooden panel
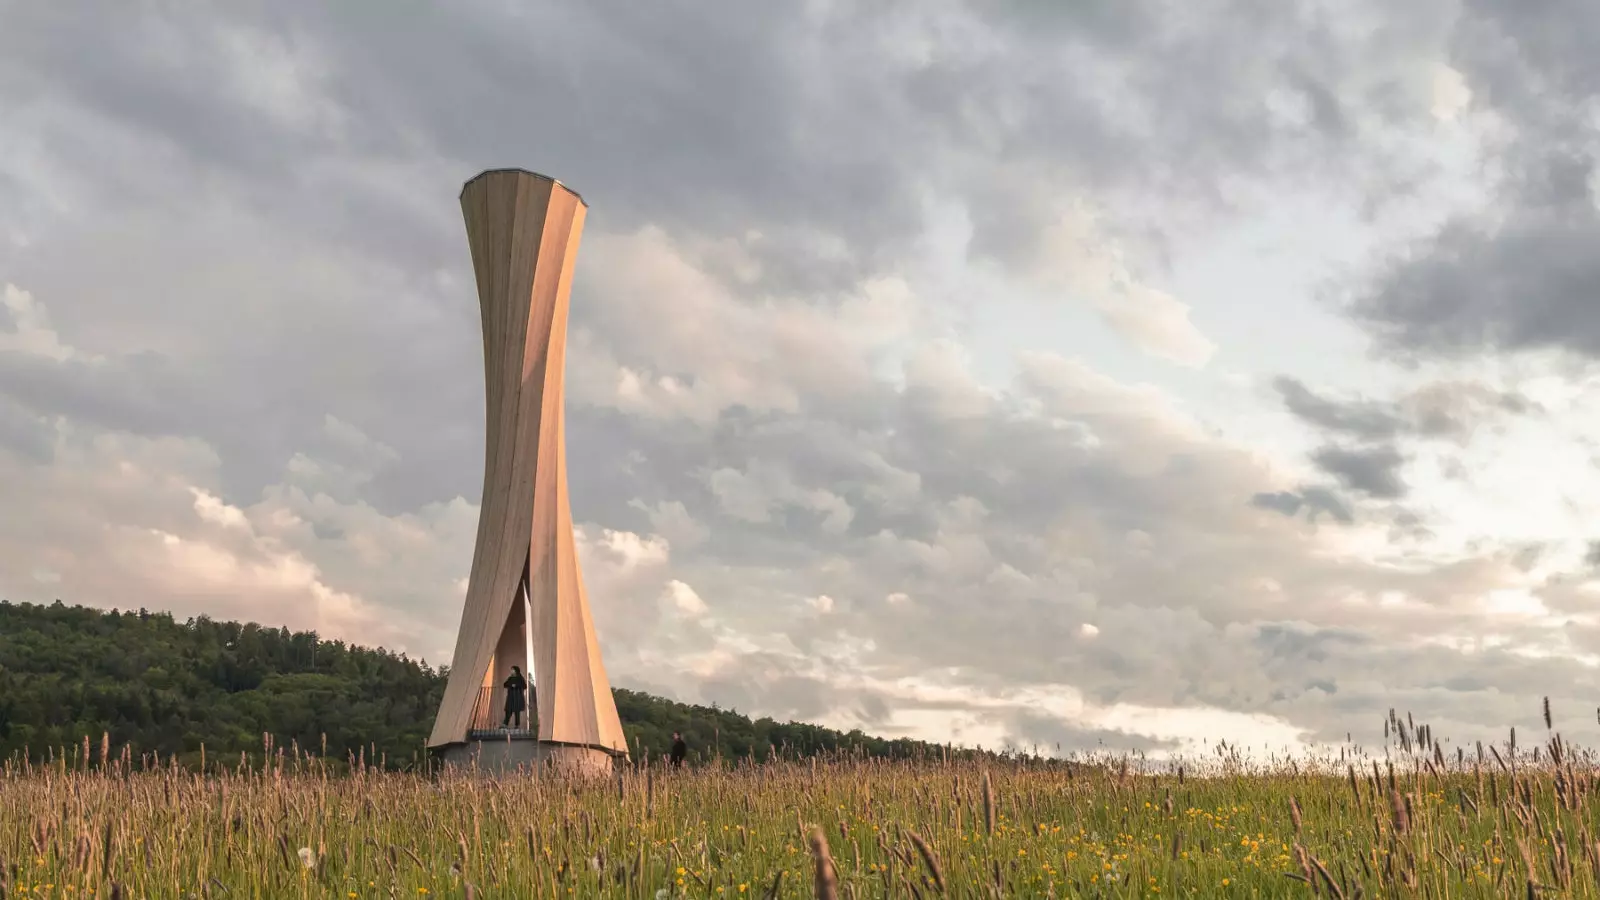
524,231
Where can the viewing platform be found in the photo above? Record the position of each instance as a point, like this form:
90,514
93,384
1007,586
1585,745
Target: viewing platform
493,749
503,734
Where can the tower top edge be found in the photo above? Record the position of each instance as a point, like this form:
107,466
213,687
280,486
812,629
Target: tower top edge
528,172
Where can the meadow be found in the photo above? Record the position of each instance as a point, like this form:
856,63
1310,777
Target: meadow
1409,819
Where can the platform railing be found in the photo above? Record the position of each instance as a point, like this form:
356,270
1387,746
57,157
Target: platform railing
489,713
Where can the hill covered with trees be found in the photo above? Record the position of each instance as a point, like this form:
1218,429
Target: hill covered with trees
157,685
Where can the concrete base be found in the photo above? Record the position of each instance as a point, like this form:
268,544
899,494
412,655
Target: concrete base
527,756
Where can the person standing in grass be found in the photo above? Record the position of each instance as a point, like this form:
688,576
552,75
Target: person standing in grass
516,698
679,750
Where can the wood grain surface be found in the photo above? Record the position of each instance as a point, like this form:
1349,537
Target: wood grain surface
524,230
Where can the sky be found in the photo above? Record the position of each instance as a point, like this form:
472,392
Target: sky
1116,374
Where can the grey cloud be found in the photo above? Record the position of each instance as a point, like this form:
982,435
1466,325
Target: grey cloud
792,696
1523,283
626,101
1456,409
1437,409
874,709
734,694
1592,557
1453,410
1518,274
1319,499
1406,524
253,356
1528,556
779,687
141,394
814,118
1361,418
1480,703
1374,471
1529,63
1315,500
1309,645
1283,501
25,433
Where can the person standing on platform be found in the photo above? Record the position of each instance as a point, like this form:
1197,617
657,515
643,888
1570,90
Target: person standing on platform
516,698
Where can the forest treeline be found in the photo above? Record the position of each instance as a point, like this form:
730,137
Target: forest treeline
153,684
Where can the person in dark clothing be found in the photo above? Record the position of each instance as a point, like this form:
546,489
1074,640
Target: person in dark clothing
516,698
679,750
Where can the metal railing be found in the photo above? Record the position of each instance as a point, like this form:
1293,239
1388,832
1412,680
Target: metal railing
489,715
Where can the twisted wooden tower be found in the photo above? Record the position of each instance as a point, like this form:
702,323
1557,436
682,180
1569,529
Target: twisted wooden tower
524,229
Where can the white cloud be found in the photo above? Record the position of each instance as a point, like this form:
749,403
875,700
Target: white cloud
211,509
1157,323
754,494
683,598
624,549
1451,95
671,520
666,338
164,533
30,331
1077,258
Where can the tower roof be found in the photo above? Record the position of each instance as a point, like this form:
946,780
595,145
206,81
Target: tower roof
530,173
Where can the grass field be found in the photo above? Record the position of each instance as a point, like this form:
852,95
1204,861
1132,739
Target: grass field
1425,823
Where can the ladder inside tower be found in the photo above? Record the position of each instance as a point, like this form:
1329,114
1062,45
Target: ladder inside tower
491,719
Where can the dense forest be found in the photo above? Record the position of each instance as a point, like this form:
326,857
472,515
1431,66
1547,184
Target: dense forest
157,685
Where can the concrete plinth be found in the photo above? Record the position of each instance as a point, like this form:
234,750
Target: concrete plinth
525,755
578,762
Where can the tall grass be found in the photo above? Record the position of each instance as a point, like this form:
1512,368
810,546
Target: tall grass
1408,821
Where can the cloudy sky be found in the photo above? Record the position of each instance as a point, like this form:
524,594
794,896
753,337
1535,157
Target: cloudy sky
1117,372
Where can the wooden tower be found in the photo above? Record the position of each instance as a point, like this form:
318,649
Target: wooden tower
525,591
